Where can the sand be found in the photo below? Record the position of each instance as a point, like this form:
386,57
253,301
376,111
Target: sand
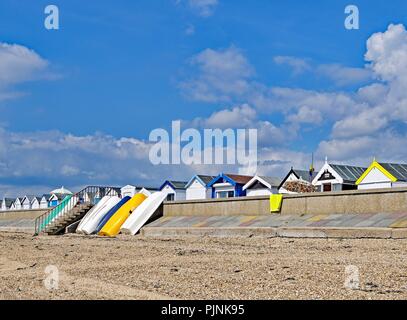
134,267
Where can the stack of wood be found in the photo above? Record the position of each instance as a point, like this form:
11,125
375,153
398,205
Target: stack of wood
299,186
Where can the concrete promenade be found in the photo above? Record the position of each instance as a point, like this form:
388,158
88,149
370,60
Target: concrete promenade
379,225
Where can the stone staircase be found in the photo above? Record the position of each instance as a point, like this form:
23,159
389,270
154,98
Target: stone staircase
59,224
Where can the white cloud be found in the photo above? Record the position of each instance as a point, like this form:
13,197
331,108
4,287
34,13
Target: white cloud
298,65
18,64
356,120
245,117
386,147
387,52
204,8
222,74
190,30
343,76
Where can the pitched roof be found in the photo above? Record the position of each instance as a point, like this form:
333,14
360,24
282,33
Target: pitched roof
204,179
348,173
9,201
29,197
300,174
239,178
398,170
274,181
304,174
268,182
174,184
38,199
60,196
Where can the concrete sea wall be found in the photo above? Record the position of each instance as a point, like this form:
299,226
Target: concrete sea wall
21,214
354,201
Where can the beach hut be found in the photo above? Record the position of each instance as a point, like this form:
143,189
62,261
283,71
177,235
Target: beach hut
197,187
295,180
228,185
16,205
44,203
383,175
6,204
175,190
337,177
262,186
56,199
36,203
57,196
26,202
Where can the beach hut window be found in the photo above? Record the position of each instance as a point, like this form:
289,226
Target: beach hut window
171,197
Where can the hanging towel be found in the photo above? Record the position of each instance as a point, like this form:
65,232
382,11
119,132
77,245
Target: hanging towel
275,202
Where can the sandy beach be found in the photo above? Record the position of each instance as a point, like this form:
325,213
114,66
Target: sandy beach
130,267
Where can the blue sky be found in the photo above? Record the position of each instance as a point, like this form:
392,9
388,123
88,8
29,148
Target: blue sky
119,69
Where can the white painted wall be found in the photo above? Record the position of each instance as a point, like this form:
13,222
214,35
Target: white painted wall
378,185
197,191
375,179
179,194
375,176
26,205
17,205
35,204
259,192
399,184
335,182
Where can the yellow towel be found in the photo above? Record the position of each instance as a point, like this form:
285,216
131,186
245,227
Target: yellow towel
275,202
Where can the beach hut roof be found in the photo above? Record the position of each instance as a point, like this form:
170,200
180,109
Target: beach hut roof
269,182
231,178
180,185
348,173
394,171
203,179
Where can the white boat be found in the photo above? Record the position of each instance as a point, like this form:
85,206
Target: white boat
91,224
91,213
144,211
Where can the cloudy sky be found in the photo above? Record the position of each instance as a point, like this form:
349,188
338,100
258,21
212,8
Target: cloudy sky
77,104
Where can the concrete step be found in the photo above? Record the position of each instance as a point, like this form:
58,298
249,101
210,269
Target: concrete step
60,223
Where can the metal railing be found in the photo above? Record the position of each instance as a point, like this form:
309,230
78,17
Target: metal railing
89,195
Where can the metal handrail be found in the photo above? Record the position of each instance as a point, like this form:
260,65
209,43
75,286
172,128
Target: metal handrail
88,195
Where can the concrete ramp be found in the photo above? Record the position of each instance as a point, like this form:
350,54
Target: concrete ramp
379,225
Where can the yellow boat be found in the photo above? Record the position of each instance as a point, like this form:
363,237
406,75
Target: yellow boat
112,227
